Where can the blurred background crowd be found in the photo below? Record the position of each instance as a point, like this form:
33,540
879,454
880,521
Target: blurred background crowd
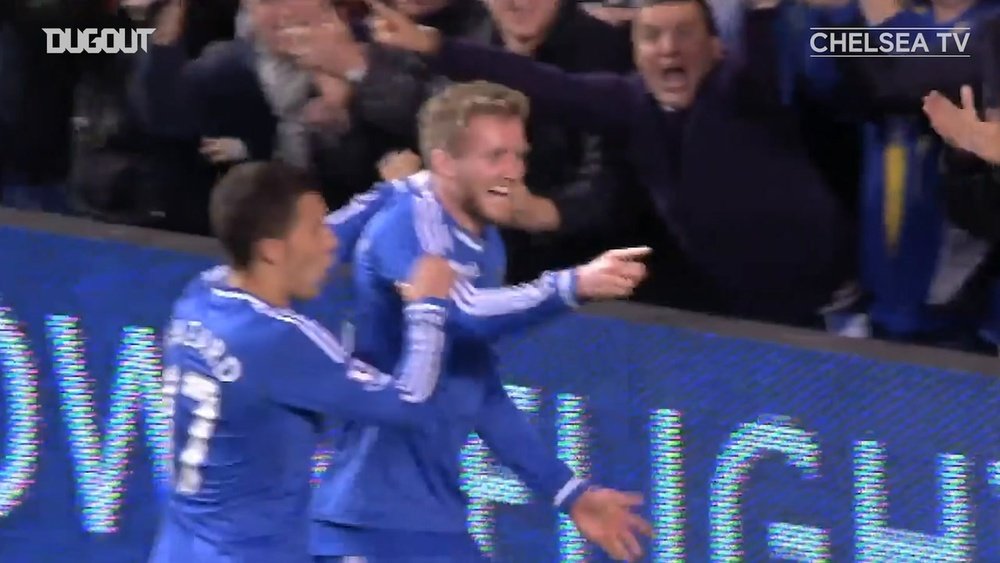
858,196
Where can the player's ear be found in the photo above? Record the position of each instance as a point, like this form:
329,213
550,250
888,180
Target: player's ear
442,163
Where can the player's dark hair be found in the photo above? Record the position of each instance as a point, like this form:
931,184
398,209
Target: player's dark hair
255,201
703,6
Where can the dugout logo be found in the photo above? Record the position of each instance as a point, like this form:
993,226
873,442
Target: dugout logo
94,40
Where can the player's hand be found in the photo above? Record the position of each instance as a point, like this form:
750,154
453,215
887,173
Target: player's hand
612,275
432,276
394,29
607,518
396,165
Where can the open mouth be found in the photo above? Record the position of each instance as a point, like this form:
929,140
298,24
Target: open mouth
674,77
499,191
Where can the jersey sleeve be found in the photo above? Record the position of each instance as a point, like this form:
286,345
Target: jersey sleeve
517,445
494,312
348,222
318,376
412,230
419,229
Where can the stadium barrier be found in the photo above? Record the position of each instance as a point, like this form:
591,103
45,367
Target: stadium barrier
749,442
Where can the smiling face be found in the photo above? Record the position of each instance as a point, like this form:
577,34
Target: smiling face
489,165
473,137
675,47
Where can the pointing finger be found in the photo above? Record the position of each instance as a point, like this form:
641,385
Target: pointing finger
633,253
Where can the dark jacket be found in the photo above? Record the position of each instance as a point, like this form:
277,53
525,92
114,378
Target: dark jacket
971,190
215,95
182,100
39,90
728,176
219,94
972,195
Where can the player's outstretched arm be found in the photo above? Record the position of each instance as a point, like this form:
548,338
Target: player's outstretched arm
321,378
397,240
494,312
604,516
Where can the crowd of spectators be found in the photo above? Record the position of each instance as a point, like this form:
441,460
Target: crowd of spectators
855,195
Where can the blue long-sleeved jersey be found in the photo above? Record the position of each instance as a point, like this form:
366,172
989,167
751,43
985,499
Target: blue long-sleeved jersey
395,481
348,222
478,309
251,386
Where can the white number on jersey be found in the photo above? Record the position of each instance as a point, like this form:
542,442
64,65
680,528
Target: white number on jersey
205,392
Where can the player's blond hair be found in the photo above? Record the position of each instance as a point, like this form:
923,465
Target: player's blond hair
444,117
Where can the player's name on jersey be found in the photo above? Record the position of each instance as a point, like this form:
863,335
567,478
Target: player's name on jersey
225,368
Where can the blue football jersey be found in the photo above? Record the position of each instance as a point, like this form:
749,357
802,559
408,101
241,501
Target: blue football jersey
387,485
251,386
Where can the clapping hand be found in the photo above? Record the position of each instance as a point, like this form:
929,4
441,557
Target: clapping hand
961,127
